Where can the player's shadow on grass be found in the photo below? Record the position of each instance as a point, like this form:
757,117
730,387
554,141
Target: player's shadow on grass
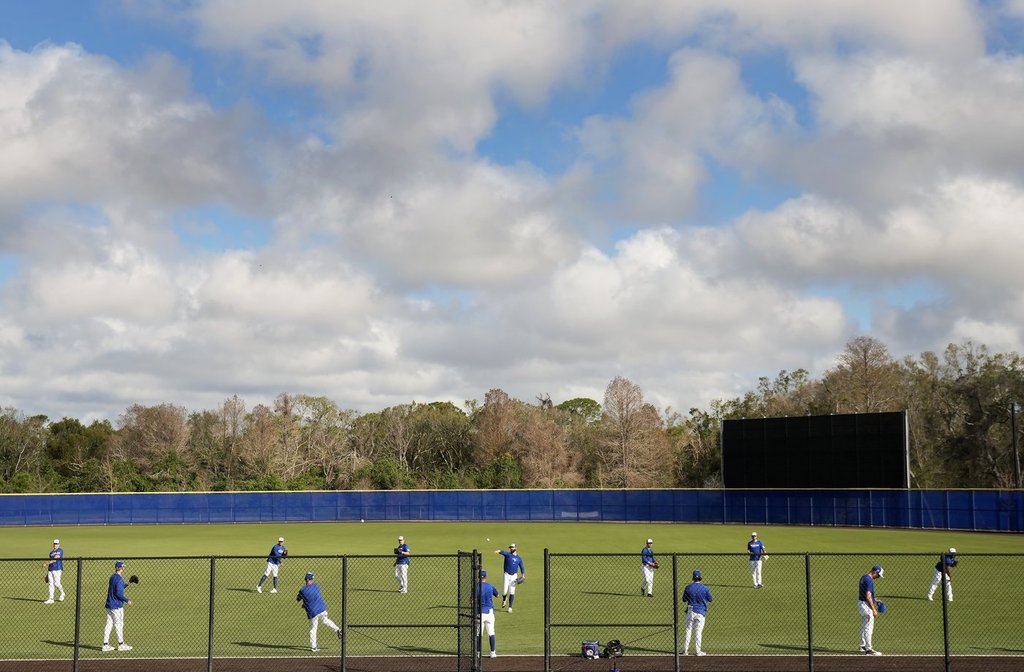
595,592
286,647
70,645
996,648
23,599
916,598
372,590
422,649
803,649
242,590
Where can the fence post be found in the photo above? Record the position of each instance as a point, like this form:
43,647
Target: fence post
458,601
78,611
344,612
810,628
675,612
945,610
547,611
209,643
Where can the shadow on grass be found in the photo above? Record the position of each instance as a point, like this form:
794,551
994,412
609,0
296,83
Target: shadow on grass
729,585
242,590
70,645
595,592
285,647
803,649
23,599
904,597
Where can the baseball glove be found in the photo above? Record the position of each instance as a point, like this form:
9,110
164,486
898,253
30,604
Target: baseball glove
653,564
398,550
284,553
521,580
882,606
46,577
133,579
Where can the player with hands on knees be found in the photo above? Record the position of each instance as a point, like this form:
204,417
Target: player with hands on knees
647,566
513,567
946,564
274,559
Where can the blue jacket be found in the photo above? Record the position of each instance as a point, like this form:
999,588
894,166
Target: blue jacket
311,600
115,592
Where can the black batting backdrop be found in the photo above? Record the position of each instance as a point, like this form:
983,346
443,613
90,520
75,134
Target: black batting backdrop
857,450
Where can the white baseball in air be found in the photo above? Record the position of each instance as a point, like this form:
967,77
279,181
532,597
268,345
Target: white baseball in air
488,538
361,520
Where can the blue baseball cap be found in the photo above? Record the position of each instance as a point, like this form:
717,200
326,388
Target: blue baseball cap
878,568
309,576
696,574
119,564
483,573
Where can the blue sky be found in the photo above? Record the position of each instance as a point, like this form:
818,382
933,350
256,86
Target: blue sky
365,201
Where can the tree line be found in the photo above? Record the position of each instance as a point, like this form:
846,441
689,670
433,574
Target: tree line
959,406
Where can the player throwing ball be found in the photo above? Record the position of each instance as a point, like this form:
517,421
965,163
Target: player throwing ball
54,570
513,567
316,610
277,555
756,550
647,566
487,594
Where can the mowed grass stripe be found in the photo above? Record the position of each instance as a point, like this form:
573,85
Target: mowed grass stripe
169,618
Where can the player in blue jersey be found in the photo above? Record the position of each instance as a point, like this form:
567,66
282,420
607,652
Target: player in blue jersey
316,610
867,607
54,570
487,594
697,597
647,566
115,604
277,555
402,565
756,550
946,564
513,567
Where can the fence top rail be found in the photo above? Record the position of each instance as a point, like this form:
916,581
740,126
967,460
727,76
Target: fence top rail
126,558
799,554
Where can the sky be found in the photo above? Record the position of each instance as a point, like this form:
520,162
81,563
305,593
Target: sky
405,201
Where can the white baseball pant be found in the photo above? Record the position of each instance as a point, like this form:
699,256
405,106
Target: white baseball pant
487,623
115,620
54,575
402,574
648,585
272,569
867,623
755,571
314,622
695,626
936,581
508,586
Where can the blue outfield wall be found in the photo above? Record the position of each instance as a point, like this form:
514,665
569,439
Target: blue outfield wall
987,510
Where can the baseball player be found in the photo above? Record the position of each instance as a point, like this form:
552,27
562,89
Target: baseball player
402,565
513,566
947,563
116,602
54,570
756,550
647,566
316,610
487,594
697,597
277,555
867,607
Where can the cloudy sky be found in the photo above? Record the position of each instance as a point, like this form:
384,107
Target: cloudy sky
396,201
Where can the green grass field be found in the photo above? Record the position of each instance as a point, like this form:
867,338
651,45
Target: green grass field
169,617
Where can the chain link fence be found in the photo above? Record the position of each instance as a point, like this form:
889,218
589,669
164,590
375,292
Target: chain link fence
205,613
804,616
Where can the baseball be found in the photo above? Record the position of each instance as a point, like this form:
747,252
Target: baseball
488,538
361,520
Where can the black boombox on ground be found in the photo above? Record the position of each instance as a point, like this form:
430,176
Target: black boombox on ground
591,649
